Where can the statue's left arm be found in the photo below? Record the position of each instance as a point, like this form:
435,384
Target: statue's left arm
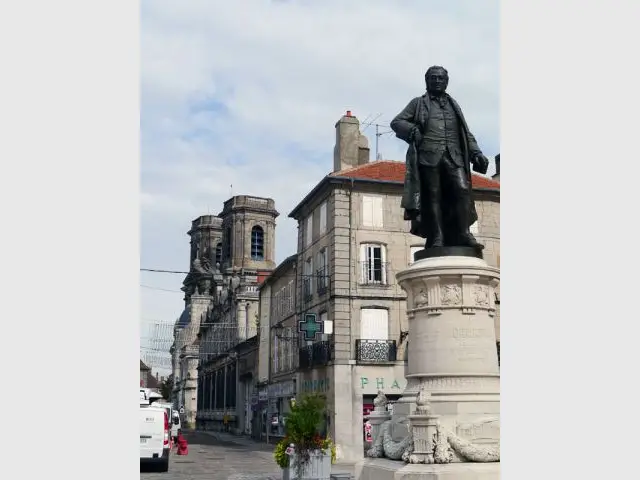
474,148
477,158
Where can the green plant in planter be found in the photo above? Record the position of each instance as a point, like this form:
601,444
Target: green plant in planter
280,455
302,429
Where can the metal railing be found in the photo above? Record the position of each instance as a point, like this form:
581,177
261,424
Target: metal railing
375,351
322,281
314,355
307,294
373,272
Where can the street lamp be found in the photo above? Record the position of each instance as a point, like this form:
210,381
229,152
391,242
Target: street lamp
278,329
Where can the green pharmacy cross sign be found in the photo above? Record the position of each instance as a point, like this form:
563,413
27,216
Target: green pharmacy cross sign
310,326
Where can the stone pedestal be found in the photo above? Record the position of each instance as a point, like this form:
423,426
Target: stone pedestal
452,356
452,343
383,469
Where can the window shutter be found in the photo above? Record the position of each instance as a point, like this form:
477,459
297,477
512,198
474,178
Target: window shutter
377,212
374,324
323,218
367,211
365,322
309,230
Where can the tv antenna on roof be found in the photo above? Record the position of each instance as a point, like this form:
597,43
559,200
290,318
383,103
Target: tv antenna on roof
378,133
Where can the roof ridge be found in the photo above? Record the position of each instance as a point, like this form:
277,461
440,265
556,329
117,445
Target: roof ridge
368,171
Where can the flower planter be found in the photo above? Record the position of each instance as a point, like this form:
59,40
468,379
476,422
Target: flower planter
317,468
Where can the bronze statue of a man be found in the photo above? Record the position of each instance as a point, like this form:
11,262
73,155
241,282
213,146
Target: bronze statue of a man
437,187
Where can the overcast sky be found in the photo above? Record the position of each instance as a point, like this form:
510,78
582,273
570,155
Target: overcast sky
247,94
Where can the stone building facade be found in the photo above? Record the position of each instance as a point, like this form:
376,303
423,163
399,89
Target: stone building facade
228,342
230,255
278,355
352,241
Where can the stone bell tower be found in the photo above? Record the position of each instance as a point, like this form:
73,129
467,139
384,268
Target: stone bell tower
248,233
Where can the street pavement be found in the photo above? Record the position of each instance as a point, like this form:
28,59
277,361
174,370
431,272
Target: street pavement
215,457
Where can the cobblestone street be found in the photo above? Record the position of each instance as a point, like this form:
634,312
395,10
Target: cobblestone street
213,458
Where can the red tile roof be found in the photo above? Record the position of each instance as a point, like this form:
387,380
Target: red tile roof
392,171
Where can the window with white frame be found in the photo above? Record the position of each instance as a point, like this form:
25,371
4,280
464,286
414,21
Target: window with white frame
373,264
374,324
372,211
308,230
323,218
412,252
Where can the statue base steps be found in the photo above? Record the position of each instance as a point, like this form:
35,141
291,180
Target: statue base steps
383,469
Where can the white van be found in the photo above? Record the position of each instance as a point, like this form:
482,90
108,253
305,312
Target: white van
154,436
176,426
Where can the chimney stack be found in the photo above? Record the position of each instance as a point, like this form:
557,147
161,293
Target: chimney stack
352,147
496,176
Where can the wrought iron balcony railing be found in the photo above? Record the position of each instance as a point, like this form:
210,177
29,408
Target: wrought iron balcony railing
374,272
375,351
322,281
307,294
315,355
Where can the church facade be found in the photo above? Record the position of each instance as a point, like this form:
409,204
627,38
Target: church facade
214,354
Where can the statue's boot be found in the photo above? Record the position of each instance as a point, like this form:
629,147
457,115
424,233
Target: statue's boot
465,237
435,236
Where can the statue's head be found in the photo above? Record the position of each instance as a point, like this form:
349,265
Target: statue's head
437,79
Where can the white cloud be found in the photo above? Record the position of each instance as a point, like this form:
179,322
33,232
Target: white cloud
247,94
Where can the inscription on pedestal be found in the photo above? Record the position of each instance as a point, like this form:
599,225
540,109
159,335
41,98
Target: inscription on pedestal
470,332
486,430
454,383
470,354
469,343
